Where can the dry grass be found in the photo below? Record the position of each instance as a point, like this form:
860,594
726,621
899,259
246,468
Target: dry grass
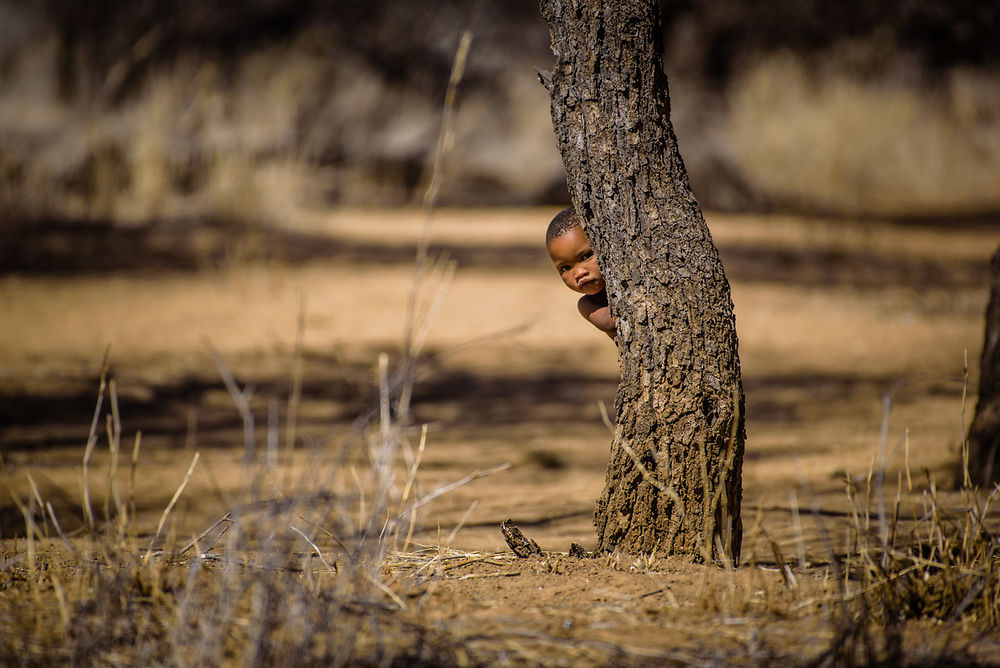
834,141
258,138
293,572
317,576
195,141
289,126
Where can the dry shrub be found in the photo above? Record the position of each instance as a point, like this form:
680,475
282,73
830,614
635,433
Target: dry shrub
841,142
194,144
914,557
194,139
946,565
942,564
259,135
294,574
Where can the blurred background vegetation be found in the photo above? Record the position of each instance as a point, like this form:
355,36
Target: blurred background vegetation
140,111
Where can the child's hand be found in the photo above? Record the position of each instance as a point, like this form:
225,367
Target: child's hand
595,309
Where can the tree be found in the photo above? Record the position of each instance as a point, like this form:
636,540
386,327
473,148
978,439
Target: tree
674,477
984,433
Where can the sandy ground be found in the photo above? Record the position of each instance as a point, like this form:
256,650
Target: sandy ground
841,325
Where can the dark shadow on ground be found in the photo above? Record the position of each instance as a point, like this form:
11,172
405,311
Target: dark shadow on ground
783,398
69,248
336,392
31,421
838,268
336,396
523,411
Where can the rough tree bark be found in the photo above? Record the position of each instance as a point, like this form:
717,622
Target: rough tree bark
674,478
984,433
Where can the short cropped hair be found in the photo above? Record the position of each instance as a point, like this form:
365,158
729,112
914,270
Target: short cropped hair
565,220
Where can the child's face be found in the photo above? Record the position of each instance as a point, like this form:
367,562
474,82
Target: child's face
575,262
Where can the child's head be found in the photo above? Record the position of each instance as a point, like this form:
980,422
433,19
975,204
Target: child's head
571,253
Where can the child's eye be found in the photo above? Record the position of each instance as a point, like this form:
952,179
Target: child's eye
586,256
563,269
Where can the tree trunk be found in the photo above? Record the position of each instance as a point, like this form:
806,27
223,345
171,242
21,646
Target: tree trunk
984,434
674,481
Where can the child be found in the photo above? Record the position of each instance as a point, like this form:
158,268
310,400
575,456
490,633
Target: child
576,264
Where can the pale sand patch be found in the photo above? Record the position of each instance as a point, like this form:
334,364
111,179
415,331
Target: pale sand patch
256,310
782,328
